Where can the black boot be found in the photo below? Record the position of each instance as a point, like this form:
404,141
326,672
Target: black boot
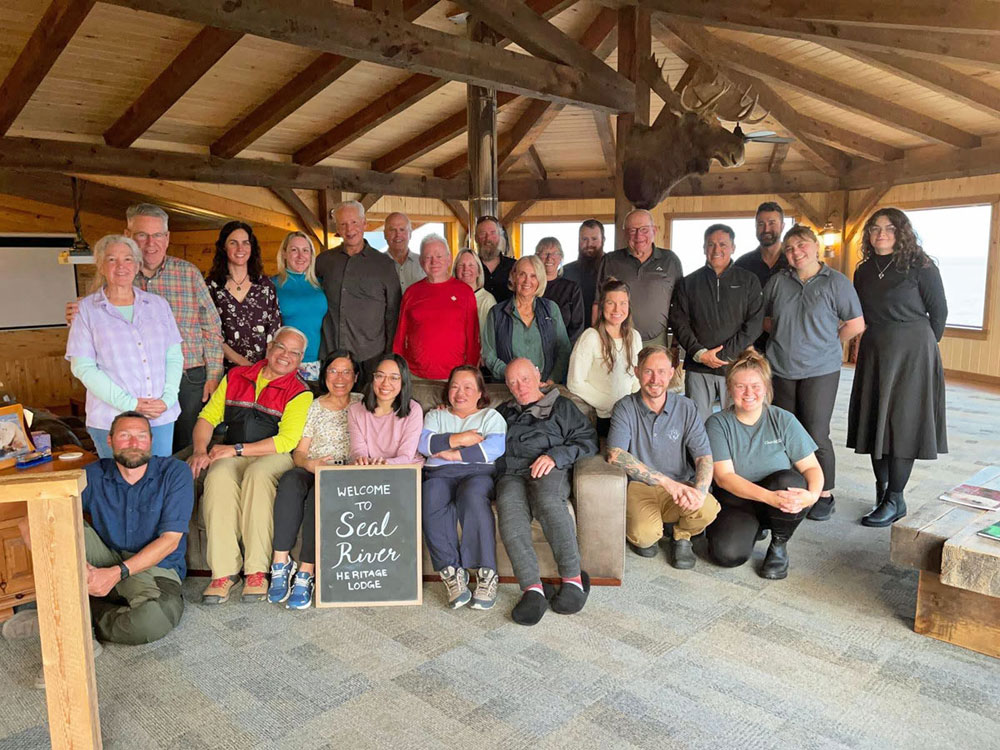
891,508
775,565
822,509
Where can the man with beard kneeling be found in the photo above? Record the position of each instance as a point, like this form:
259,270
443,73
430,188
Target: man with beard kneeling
546,435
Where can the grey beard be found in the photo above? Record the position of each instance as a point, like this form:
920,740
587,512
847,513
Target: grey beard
133,463
489,252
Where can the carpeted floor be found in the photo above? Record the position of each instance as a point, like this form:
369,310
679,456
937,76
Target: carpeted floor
710,658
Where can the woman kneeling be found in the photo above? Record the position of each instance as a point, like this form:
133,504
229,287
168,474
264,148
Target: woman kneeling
766,472
461,444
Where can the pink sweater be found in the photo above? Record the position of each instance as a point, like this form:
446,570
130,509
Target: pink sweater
390,437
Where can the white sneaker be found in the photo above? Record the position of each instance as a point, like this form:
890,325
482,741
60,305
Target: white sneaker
40,677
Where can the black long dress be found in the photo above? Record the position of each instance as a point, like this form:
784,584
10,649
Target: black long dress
898,399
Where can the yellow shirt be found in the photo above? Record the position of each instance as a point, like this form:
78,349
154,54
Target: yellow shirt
292,422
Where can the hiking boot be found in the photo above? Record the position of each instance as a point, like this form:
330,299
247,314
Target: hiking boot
281,579
218,590
40,677
485,595
457,584
23,624
302,591
254,587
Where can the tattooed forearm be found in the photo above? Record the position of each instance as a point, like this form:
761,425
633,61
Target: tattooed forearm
633,467
703,473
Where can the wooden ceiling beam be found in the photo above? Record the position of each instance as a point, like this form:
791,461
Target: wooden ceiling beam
366,119
315,78
805,209
932,75
389,40
535,164
515,212
969,48
194,61
42,155
606,135
459,211
751,62
778,153
55,29
865,206
308,221
926,164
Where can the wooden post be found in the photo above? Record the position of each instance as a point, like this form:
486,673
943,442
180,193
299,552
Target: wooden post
634,45
484,196
55,519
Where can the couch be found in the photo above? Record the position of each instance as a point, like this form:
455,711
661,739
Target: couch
597,504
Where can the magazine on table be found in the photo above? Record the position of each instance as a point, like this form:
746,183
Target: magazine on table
991,532
984,494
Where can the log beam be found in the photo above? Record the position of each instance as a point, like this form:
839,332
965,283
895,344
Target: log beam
515,212
634,46
387,40
926,164
457,209
57,26
606,135
194,61
805,209
778,153
308,221
535,164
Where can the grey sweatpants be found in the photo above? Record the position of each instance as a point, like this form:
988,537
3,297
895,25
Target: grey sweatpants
521,498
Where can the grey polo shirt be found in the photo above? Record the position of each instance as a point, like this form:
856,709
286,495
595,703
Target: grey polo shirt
409,270
805,319
667,442
651,286
775,442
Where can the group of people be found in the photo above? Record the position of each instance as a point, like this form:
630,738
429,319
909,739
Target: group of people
220,364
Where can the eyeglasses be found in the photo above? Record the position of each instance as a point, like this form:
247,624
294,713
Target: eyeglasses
643,231
340,373
143,237
875,230
391,377
487,217
282,347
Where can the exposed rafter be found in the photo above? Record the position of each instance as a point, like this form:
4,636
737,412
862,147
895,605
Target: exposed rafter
459,211
924,164
194,61
308,221
515,212
389,40
535,164
805,209
58,25
778,154
606,135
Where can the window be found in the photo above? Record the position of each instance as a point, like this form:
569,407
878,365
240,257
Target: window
962,261
568,234
377,239
687,237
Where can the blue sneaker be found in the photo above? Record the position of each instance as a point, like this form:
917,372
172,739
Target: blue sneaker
281,575
302,591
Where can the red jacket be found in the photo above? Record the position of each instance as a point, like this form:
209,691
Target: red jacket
438,328
249,419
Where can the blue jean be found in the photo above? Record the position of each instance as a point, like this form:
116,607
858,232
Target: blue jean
163,441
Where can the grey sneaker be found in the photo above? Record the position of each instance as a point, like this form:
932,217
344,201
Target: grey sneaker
485,595
40,677
457,584
23,624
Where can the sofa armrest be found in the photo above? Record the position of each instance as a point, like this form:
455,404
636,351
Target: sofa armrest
599,500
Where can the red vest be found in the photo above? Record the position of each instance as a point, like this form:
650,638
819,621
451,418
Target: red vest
249,419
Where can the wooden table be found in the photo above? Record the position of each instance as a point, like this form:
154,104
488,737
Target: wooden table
958,596
51,494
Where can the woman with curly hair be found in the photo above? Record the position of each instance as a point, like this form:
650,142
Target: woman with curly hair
897,411
245,298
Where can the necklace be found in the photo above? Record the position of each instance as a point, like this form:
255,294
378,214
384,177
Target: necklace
882,271
239,284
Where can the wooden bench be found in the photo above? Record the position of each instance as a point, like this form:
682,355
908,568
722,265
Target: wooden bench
958,596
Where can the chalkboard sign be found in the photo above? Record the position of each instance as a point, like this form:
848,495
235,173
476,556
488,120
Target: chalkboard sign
368,536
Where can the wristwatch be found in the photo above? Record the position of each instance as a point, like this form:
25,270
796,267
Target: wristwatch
124,570
239,449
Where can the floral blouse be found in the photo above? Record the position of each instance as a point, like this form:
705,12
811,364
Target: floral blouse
248,326
327,429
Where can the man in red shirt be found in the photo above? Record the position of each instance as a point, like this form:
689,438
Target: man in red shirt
438,326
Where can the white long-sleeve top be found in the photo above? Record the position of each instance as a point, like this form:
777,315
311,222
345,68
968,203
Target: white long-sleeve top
589,377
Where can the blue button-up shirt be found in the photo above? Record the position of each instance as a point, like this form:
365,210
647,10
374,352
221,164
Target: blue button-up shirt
127,517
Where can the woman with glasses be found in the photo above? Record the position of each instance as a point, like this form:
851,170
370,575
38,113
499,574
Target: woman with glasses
300,298
243,295
897,411
325,441
565,293
385,425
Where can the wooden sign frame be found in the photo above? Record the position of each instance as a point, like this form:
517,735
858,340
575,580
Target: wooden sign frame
418,541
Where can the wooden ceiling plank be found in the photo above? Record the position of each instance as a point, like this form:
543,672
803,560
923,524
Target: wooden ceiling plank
43,155
55,29
390,104
925,165
973,47
194,61
389,40
826,159
515,212
778,154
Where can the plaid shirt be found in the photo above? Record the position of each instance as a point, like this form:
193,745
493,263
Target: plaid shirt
181,284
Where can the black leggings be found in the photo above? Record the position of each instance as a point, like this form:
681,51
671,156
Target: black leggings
892,472
811,401
732,535
295,508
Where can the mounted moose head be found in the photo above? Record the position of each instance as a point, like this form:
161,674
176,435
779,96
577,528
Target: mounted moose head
682,141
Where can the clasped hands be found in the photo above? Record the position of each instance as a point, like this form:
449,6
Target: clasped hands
793,500
201,461
686,497
151,408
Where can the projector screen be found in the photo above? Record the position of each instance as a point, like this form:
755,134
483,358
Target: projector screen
34,287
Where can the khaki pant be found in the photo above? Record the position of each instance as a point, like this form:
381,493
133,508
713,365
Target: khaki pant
648,508
238,506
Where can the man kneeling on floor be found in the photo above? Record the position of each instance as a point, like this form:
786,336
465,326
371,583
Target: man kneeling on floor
546,435
659,439
139,507
263,408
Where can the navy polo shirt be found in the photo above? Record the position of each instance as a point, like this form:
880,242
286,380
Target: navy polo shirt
127,517
667,442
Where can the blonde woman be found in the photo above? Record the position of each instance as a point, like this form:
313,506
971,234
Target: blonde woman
526,325
468,268
124,346
300,297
